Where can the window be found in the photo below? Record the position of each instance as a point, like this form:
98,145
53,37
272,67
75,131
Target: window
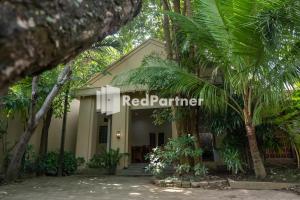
103,135
161,139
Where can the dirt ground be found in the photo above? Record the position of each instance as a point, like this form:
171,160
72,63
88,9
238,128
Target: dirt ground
122,188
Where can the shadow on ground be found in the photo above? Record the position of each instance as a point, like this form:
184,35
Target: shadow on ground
122,188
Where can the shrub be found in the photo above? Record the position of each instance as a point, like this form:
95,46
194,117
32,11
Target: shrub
96,162
107,160
49,163
70,163
157,161
232,159
200,170
80,161
29,160
111,158
176,153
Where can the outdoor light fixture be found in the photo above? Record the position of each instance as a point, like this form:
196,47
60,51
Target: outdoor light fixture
118,134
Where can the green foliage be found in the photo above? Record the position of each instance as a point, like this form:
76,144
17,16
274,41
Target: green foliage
161,116
146,25
49,163
158,161
289,121
200,170
112,158
70,163
80,161
106,160
29,160
96,162
176,150
233,160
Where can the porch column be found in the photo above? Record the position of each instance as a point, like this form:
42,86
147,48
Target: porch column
120,124
87,128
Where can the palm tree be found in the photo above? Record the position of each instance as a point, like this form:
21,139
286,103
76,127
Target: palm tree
254,48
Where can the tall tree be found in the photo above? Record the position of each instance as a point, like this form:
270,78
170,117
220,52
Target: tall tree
39,36
33,121
254,48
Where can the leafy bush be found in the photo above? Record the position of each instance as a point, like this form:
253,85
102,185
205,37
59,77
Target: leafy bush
96,162
200,170
70,163
111,158
29,160
80,161
233,161
157,161
49,163
107,160
175,153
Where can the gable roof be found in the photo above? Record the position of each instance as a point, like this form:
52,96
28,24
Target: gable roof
131,60
125,57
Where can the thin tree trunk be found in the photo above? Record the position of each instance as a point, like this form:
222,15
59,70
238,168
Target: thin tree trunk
39,35
45,131
258,164
176,5
63,133
188,8
167,32
20,148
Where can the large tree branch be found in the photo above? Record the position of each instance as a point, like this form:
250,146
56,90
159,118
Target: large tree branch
38,35
20,148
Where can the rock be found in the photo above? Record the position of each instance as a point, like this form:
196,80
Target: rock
177,183
186,184
162,183
199,184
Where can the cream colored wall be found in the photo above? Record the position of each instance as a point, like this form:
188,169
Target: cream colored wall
16,128
87,128
120,125
71,130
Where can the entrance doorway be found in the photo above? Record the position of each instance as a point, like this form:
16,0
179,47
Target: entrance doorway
144,135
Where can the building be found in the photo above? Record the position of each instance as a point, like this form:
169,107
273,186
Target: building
90,132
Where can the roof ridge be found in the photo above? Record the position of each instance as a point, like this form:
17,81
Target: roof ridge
125,56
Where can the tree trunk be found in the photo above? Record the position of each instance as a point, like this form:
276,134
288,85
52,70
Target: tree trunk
188,8
63,133
16,160
258,164
45,131
166,28
20,148
39,35
176,4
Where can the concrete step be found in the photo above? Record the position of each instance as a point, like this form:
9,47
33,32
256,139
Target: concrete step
136,169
